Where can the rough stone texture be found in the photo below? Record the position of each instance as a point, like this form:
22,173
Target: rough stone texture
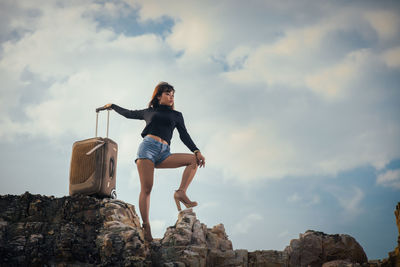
37,230
315,248
191,243
394,256
268,258
342,263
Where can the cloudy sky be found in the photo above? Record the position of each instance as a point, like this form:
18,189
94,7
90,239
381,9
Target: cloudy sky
294,104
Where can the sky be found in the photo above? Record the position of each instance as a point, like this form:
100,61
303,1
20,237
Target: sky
294,104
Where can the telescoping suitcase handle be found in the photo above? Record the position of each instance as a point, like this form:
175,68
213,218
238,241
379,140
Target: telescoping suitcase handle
97,118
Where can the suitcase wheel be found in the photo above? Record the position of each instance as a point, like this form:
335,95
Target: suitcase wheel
113,194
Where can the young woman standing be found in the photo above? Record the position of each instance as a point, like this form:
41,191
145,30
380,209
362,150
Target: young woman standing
154,151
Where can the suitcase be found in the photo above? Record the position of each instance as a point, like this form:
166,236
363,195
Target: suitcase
93,165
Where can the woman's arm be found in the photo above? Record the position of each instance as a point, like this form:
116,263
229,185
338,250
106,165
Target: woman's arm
130,114
185,137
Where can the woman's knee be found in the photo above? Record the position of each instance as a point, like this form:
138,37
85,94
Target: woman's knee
146,190
193,162
146,185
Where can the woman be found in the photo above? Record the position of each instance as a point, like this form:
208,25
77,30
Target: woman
154,151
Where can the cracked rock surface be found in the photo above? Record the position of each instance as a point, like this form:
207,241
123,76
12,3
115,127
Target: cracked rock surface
80,230
38,230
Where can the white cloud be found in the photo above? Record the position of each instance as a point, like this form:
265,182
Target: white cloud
305,57
284,234
249,152
392,57
300,146
267,117
285,61
315,200
192,36
390,178
294,198
208,205
352,204
386,23
244,225
89,67
308,200
334,81
350,199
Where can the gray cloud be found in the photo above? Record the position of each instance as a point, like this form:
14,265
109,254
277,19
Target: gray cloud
313,85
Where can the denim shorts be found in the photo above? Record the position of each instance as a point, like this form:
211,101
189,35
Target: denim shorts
153,150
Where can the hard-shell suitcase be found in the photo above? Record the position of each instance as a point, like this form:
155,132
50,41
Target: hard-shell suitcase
93,165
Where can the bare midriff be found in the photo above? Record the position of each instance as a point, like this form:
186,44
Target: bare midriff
157,138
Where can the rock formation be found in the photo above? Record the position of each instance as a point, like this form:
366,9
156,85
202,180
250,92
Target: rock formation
397,250
38,230
316,248
191,243
394,256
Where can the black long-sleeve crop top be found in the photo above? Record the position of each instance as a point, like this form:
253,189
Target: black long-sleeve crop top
160,121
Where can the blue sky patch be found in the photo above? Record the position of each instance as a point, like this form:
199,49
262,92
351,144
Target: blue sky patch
128,23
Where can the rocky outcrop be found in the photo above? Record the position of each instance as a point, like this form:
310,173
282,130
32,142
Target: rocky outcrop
394,256
38,230
82,231
316,248
191,243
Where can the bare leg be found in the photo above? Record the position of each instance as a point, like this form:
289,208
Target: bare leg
177,160
146,173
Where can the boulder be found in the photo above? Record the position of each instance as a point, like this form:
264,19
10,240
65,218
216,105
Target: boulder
80,230
316,248
191,243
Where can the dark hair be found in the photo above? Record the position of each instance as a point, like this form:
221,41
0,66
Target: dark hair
160,88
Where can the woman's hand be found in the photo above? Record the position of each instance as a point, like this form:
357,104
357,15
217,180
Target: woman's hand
107,106
201,160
